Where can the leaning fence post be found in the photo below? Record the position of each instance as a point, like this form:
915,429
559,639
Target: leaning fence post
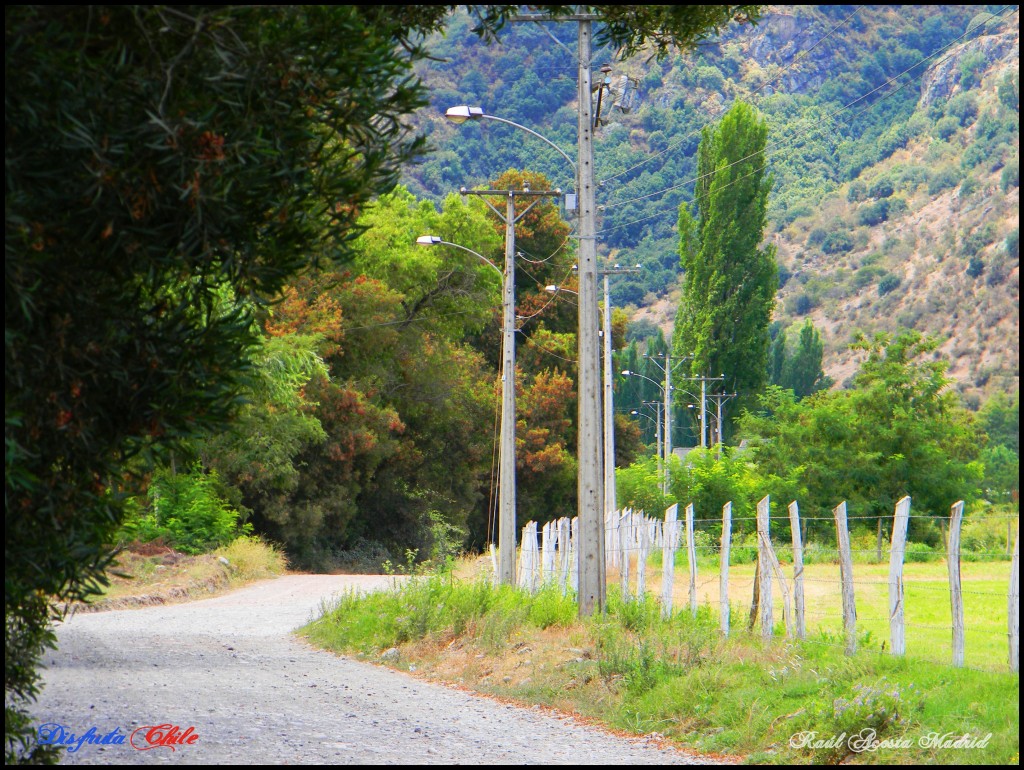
897,548
956,599
846,576
723,580
1013,616
668,558
764,569
798,570
691,556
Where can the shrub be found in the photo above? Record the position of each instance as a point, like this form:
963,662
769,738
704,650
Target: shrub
836,242
943,179
975,267
887,284
1010,176
882,188
873,213
1013,243
856,192
946,127
919,552
187,511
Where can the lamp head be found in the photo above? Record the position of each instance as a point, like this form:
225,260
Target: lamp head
459,115
428,240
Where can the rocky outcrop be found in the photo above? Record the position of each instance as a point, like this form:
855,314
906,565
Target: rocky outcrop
942,80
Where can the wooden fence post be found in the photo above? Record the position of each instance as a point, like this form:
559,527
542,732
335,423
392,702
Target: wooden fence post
764,569
956,599
846,576
563,552
642,549
898,547
668,558
777,569
691,555
547,553
1013,616
574,540
798,570
625,543
723,580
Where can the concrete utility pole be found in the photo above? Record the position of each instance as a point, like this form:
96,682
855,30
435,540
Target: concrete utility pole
507,452
704,405
609,407
591,508
720,399
667,370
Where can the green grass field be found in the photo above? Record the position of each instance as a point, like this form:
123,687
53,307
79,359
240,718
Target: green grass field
927,616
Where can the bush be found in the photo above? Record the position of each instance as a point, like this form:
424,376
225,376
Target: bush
187,511
946,127
975,267
882,188
1010,176
919,552
887,284
837,242
943,179
873,213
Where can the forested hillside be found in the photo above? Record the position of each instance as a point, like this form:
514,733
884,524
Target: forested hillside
893,144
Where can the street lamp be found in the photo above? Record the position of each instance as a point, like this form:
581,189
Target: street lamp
507,453
459,115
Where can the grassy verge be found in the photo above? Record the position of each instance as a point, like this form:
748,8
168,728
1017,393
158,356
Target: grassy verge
151,574
633,670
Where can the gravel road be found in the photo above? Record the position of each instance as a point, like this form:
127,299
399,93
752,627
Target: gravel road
229,668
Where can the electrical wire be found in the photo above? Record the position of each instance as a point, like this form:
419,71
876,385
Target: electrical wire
763,85
819,124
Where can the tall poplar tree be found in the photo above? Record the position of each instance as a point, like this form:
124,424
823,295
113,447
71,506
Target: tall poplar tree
730,277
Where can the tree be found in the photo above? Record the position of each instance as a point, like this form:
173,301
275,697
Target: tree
799,370
899,431
730,280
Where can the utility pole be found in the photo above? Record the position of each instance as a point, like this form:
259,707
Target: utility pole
507,452
667,369
609,411
591,583
720,399
704,405
591,508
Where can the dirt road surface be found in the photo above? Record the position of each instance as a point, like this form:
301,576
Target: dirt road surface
230,669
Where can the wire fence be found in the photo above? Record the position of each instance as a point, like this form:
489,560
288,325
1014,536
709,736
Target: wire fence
890,605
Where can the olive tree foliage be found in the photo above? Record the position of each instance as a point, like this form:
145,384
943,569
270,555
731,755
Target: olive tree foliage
159,158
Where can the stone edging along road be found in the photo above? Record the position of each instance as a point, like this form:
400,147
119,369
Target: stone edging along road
241,689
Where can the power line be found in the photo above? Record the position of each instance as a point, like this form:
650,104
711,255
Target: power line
763,85
830,117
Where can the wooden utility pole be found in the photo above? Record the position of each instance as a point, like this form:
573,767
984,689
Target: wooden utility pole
507,452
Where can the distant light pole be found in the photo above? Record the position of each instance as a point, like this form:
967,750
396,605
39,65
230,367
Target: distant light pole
704,404
666,396
667,369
